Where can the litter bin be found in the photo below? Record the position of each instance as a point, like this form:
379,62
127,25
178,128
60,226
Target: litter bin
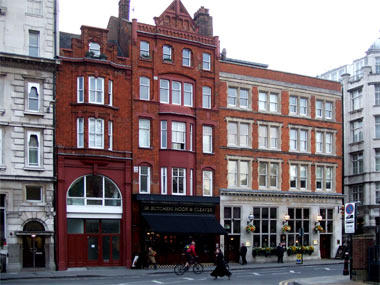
3,262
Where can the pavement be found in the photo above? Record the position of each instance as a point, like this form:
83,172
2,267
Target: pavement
86,272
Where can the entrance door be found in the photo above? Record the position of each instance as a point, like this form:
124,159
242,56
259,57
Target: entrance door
325,246
33,251
233,248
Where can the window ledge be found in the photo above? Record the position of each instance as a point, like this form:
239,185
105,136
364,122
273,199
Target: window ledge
269,112
145,147
167,61
31,113
269,188
31,168
2,112
248,109
145,58
356,111
269,149
239,147
3,167
376,139
209,153
356,143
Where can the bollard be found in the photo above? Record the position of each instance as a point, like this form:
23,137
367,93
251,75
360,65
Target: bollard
345,269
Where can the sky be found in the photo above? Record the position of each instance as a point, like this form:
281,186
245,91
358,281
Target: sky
307,37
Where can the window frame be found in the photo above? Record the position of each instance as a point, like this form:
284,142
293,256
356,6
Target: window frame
164,134
297,140
110,92
80,89
377,94
179,177
34,49
144,129
356,99
31,7
174,135
357,193
148,178
239,173
110,135
323,178
30,187
238,98
164,181
259,236
144,49
321,112
299,177
356,130
96,91
206,62
144,86
239,135
298,106
206,97
39,147
268,174
357,160
38,87
80,132
322,147
167,56
207,137
268,126
96,134
94,48
207,181
186,57
377,127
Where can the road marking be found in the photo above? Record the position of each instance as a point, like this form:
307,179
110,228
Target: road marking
188,278
292,271
158,282
257,274
327,269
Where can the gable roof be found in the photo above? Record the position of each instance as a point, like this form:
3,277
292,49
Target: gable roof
176,17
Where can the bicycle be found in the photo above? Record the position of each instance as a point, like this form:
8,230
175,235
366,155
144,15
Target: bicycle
180,269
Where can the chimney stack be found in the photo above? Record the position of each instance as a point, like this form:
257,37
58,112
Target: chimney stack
204,22
124,9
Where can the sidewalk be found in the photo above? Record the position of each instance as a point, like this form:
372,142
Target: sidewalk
122,271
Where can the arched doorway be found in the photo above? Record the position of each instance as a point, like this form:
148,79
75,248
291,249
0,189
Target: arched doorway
94,212
33,245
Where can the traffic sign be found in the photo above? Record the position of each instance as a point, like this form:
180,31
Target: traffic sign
349,218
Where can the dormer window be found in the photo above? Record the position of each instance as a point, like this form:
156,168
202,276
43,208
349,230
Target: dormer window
94,49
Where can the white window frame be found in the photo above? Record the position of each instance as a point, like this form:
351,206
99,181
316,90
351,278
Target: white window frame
206,61
94,48
269,174
297,106
188,94
176,191
110,92
357,193
299,177
176,93
144,49
207,139
238,174
97,133
144,129
207,180
238,94
167,53
37,86
164,180
377,94
323,180
191,182
144,88
1,147
80,132
164,88
206,97
34,7
357,163
99,90
269,138
239,134
28,149
34,49
186,57
180,128
377,159
356,99
80,89
297,141
191,137
377,127
142,191
322,144
110,135
322,111
164,134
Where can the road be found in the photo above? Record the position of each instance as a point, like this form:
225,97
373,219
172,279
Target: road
243,276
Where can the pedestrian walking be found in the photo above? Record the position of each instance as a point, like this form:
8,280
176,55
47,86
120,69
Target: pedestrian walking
280,253
243,253
152,257
220,269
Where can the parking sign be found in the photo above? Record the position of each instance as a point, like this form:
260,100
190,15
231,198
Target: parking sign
349,218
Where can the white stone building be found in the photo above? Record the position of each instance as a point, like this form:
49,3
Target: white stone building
361,87
27,68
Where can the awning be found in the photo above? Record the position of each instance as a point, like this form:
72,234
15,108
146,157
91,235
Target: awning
181,224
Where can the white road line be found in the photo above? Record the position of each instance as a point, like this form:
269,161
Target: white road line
158,282
327,269
257,274
188,278
292,271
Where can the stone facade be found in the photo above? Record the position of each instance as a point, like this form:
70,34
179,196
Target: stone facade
27,92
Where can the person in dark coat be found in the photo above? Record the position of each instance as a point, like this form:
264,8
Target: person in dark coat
220,269
280,253
243,253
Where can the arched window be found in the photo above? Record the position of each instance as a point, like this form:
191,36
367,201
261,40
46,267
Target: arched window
34,226
94,190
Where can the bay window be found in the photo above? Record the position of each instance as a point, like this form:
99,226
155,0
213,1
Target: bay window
96,90
179,181
144,133
96,133
179,135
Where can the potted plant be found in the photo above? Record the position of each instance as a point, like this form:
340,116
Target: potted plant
286,228
319,228
250,228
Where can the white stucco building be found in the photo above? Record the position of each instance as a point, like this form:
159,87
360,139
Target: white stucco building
361,87
27,67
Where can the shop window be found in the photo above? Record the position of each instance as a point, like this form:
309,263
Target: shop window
299,219
327,221
265,221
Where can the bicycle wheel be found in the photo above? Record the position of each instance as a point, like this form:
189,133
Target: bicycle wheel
179,269
198,268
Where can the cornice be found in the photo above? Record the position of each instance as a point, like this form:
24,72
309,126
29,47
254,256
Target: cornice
27,62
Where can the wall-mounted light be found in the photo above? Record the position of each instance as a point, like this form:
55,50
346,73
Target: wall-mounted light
318,219
250,218
285,219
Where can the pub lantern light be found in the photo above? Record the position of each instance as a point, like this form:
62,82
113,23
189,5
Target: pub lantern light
250,218
318,219
285,219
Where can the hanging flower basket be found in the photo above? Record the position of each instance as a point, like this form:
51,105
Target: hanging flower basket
250,228
286,228
318,228
310,249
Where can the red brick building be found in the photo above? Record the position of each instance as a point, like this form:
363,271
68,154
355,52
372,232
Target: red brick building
280,160
159,139
94,159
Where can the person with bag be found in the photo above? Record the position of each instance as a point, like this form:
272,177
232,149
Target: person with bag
152,257
280,253
220,269
190,254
